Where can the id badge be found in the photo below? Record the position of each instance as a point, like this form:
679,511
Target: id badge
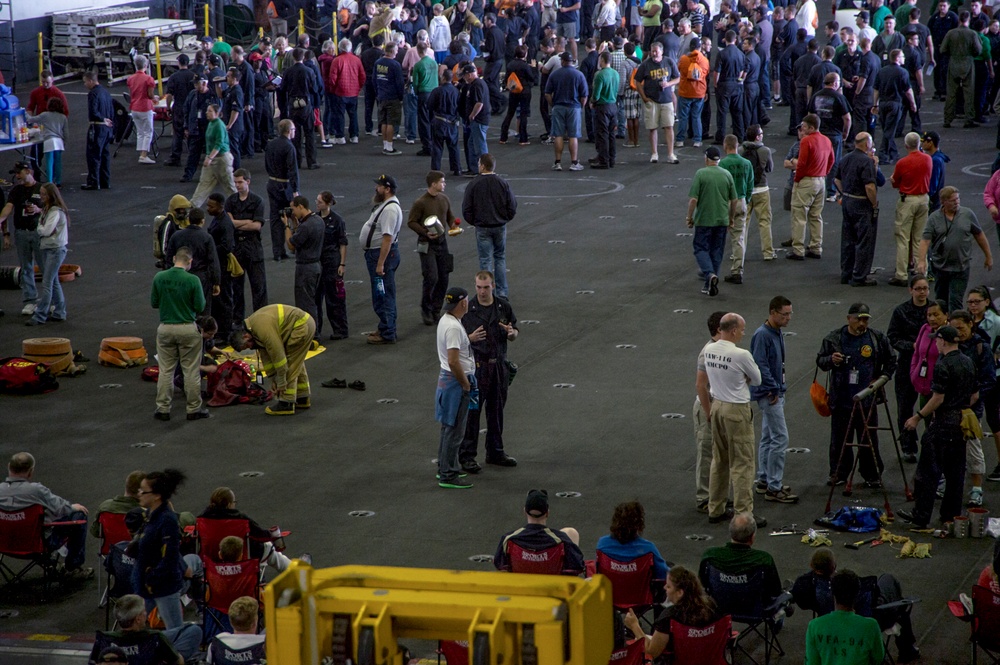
852,377
422,247
923,370
199,115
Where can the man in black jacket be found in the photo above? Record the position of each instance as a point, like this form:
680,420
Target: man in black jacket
494,50
904,326
223,233
204,259
856,356
179,86
297,84
195,123
488,205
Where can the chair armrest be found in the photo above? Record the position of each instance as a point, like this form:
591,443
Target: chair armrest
782,601
898,604
66,523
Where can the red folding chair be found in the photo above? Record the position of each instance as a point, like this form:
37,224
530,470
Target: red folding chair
633,653
455,653
701,646
631,581
211,532
22,537
111,530
548,561
985,624
224,583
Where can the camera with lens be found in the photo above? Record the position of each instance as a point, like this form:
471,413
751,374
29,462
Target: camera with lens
287,212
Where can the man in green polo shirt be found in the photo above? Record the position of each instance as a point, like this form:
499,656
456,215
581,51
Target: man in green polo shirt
742,171
424,78
710,212
604,101
179,297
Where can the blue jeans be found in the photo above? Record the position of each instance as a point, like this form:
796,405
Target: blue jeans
410,115
28,255
53,166
688,109
384,305
170,609
477,144
51,294
709,245
186,639
773,443
837,141
621,117
491,244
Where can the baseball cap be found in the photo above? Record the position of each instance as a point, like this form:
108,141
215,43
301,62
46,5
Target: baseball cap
860,310
206,39
713,154
468,68
20,166
932,136
386,181
255,56
947,333
537,503
863,15
453,297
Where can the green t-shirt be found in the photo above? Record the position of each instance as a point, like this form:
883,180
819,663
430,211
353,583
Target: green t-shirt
714,188
178,295
216,137
843,638
222,48
903,15
653,21
742,171
987,53
424,74
605,88
878,18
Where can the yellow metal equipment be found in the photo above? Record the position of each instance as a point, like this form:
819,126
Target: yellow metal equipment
358,612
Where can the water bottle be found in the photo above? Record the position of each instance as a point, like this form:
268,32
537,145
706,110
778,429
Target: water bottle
474,399
380,286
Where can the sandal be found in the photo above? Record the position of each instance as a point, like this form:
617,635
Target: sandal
335,383
357,385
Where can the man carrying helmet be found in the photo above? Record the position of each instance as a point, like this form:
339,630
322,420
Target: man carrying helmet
430,216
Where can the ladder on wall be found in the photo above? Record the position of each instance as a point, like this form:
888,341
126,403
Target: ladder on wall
8,49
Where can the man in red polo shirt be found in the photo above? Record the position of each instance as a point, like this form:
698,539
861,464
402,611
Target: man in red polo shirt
811,168
38,103
912,178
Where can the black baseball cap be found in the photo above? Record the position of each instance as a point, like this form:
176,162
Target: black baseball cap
713,153
20,166
947,333
453,297
468,68
931,136
537,503
860,310
386,181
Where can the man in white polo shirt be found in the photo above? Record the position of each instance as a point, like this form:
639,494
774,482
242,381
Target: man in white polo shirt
455,383
731,371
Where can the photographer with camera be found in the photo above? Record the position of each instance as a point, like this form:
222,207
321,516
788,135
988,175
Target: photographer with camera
304,233
856,356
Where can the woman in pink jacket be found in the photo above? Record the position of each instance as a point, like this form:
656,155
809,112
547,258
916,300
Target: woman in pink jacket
991,199
925,352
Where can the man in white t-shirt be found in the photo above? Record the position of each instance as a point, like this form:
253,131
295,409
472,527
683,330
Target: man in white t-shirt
731,371
456,383
702,418
243,646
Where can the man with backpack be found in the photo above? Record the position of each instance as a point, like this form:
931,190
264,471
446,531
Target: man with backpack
759,156
691,93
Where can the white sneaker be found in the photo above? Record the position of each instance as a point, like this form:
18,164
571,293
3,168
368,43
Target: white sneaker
654,158
342,141
354,139
410,141
678,144
326,144
696,144
557,166
576,166
146,160
29,309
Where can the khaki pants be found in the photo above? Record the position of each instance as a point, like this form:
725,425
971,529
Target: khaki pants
178,343
738,238
760,204
297,380
217,174
732,458
911,218
807,209
702,451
